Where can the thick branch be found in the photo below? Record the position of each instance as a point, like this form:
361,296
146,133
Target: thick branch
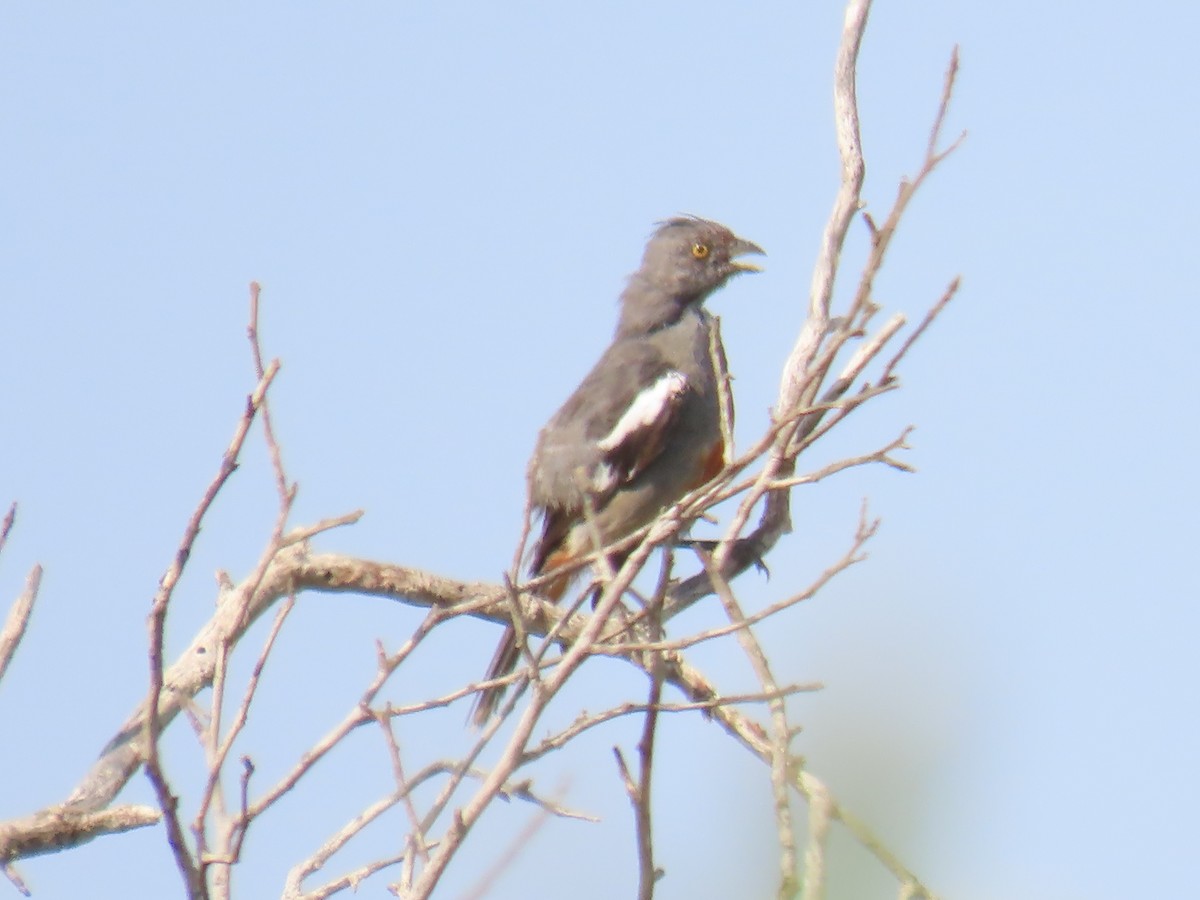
292,571
61,827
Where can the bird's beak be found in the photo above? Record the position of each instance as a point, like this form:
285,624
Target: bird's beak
741,248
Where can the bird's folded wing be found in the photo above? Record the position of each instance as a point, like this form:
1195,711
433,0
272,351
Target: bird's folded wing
617,457
637,438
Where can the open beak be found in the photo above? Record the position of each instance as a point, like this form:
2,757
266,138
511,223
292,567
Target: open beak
741,248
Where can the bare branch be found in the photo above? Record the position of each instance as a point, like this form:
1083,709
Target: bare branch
780,732
219,750
752,736
416,834
878,456
158,614
349,881
716,354
820,816
518,843
60,827
14,877
292,886
308,532
638,789
281,480
360,715
848,201
664,529
18,616
934,312
6,526
586,722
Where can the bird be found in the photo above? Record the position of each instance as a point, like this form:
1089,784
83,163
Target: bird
643,428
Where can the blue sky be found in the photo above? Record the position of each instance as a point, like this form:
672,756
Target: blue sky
441,202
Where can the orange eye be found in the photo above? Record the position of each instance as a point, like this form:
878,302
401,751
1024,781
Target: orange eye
700,251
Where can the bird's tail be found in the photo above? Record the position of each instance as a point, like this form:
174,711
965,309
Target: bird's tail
503,662
508,654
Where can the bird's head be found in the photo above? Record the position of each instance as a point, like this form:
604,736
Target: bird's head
686,259
692,257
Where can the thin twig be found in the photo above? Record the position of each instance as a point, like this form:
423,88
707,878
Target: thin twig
780,732
511,756
358,716
587,722
281,480
6,526
519,843
307,532
933,313
11,873
17,619
389,736
639,789
219,753
156,622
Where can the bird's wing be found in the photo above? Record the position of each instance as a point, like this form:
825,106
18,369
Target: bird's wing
638,436
609,431
618,418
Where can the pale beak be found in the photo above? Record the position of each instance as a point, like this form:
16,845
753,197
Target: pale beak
741,248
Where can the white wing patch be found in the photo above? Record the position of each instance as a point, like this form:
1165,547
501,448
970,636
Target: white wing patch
647,407
604,478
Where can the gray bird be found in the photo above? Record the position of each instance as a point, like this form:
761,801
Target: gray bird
644,427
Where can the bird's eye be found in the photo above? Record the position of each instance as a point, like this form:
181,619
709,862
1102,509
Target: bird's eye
700,251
